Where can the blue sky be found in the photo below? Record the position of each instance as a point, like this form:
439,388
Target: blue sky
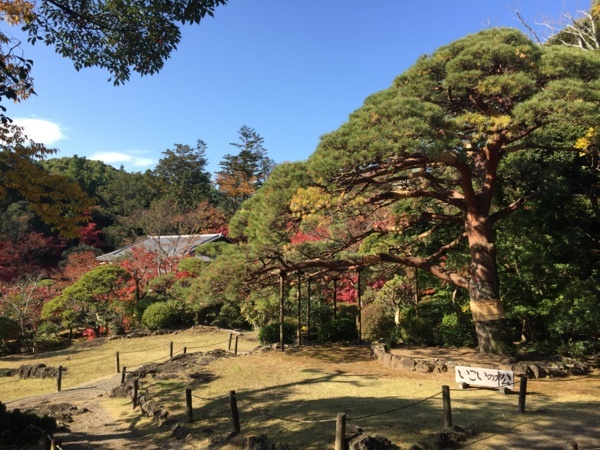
291,69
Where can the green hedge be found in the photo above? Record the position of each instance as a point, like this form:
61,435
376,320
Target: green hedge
167,315
338,330
270,333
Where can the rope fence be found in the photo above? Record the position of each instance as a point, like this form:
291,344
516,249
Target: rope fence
118,354
341,418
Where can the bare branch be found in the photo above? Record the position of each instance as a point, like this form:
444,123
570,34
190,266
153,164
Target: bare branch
526,25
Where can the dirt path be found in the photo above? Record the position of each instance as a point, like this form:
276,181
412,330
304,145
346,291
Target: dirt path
558,410
93,425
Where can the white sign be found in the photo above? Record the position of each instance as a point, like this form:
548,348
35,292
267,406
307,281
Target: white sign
478,376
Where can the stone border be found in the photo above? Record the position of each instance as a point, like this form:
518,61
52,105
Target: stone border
440,365
37,371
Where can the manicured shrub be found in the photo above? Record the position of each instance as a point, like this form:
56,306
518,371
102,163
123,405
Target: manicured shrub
229,316
269,334
457,331
378,322
148,300
46,342
416,330
167,315
338,330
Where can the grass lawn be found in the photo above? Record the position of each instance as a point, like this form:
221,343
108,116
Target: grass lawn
293,397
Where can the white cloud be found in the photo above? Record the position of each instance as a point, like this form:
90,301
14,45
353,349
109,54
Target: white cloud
115,158
41,131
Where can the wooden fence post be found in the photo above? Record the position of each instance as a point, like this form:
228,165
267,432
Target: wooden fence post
171,350
340,431
188,406
59,378
135,392
308,309
235,416
184,350
117,362
281,307
236,345
447,407
522,394
299,309
123,374
230,337
334,298
359,300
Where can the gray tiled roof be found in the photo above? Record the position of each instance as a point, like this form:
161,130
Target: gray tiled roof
171,246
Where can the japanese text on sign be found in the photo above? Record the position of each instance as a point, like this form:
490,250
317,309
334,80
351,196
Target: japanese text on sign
484,377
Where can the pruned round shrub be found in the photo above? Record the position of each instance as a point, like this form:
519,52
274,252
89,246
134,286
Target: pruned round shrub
338,330
269,334
167,315
416,330
378,322
145,302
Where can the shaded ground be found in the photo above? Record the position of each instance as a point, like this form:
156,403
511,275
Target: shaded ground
85,420
558,410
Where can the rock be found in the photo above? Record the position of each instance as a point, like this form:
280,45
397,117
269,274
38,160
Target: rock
217,439
420,446
365,442
577,370
555,372
423,367
441,440
37,371
522,370
249,442
280,446
440,367
538,371
407,364
452,436
386,359
180,433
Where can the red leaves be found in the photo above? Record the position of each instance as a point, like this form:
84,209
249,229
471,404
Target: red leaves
27,255
91,235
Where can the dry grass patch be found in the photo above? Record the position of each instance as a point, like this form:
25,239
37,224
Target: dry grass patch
93,360
293,397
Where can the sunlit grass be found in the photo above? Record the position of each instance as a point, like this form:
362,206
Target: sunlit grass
293,397
89,361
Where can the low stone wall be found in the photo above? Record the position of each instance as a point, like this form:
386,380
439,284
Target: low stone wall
440,365
37,371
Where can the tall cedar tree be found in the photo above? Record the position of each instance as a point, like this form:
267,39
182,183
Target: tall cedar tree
244,173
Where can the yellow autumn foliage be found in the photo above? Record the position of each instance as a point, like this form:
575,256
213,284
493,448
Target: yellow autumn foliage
583,143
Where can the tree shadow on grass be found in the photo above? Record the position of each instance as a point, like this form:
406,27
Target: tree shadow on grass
310,424
334,353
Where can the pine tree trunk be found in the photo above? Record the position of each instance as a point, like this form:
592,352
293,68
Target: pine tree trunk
484,287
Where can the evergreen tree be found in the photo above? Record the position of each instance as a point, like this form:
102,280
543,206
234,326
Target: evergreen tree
181,175
242,174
